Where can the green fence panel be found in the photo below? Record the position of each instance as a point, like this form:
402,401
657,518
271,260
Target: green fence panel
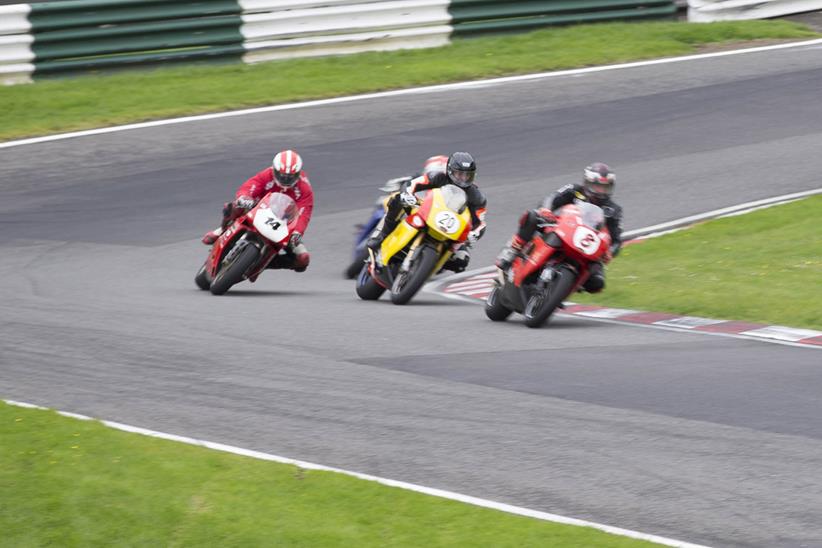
85,13
140,37
68,67
465,11
490,16
80,35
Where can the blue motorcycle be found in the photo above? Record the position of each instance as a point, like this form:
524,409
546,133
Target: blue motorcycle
363,231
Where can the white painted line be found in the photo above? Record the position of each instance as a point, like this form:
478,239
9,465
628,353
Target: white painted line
689,322
783,333
610,313
467,499
408,91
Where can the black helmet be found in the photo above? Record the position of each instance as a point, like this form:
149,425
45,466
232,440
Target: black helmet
462,169
598,182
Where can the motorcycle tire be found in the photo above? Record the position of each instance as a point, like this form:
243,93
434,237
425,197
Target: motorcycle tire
201,279
367,288
356,265
406,284
494,309
543,303
233,272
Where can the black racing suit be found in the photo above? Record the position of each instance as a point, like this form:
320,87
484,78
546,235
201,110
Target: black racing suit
529,223
395,211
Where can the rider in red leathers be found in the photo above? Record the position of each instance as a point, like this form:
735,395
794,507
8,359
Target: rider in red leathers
287,177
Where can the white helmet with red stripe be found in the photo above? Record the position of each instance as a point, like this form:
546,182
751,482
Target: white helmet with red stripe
287,166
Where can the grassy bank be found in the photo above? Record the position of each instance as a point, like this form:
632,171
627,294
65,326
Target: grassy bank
764,266
63,105
77,483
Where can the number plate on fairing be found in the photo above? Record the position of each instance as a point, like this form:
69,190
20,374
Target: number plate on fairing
586,240
447,222
270,226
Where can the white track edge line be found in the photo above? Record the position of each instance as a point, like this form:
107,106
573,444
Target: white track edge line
392,93
467,499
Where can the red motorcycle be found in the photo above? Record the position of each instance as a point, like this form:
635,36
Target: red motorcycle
253,242
556,263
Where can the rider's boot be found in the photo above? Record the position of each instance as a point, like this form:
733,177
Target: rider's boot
513,250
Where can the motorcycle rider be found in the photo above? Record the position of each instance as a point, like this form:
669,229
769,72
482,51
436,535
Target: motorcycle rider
460,170
285,176
597,188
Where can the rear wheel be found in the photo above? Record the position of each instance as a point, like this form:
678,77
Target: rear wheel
406,284
494,308
543,303
367,288
201,279
232,270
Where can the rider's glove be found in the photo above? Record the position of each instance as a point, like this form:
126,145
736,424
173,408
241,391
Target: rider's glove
547,215
244,202
295,240
476,234
408,199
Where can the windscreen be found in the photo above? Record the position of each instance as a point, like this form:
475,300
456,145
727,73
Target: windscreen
283,207
591,214
455,198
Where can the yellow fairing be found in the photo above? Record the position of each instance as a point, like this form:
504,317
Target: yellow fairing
444,224
397,240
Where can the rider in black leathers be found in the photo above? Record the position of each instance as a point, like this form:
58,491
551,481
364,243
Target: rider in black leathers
597,187
461,171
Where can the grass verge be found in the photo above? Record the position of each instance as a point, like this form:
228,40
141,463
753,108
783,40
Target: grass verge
763,266
78,483
95,101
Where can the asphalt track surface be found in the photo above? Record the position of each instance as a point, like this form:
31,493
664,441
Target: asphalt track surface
706,439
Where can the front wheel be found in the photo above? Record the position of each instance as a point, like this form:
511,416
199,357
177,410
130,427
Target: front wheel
367,288
543,303
494,309
234,271
406,284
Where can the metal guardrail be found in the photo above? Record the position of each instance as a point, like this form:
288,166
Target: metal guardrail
471,17
703,11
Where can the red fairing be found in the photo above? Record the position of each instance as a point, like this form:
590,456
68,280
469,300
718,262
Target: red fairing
263,182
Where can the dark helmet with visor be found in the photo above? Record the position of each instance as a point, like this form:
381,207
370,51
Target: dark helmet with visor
598,182
462,169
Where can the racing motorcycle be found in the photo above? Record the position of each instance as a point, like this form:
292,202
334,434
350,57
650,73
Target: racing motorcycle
557,262
253,242
418,247
360,254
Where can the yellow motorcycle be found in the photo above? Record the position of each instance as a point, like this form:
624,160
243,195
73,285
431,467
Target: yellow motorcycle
419,247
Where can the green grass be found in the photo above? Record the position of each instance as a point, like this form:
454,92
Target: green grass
94,101
66,482
764,266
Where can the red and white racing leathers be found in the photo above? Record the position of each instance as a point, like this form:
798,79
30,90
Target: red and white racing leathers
263,182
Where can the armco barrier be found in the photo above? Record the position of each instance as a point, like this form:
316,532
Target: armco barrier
488,16
704,11
68,36
346,27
